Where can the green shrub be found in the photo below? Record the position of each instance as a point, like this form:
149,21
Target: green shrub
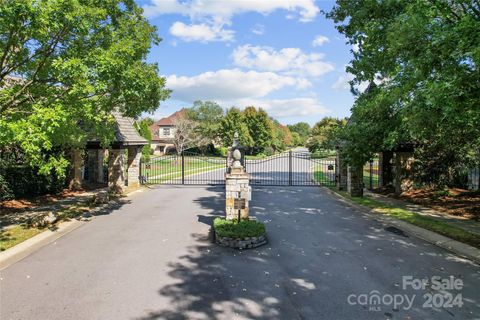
221,151
24,181
234,229
269,151
5,191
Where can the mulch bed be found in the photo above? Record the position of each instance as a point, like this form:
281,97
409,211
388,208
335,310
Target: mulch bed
457,202
16,205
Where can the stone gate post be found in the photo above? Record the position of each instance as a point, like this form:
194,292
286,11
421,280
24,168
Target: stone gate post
238,192
342,172
133,166
116,170
355,181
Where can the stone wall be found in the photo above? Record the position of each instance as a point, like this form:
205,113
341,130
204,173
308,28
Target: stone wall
246,243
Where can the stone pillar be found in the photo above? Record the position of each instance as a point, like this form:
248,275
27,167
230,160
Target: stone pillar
116,170
385,172
355,181
133,165
342,172
76,171
238,192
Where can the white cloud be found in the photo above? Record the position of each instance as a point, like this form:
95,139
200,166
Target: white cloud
320,41
281,108
287,60
258,29
201,32
343,83
230,84
224,10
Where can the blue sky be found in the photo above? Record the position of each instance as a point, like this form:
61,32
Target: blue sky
281,55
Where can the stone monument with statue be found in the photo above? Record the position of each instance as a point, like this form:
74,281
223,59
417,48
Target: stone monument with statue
237,184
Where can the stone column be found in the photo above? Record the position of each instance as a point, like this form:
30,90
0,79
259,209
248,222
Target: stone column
238,192
116,170
355,181
342,172
385,172
133,165
76,171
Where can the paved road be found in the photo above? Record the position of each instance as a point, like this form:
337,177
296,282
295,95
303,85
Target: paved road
152,259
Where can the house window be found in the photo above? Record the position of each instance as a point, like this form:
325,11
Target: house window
166,131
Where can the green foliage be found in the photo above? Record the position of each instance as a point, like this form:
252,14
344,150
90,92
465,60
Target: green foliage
325,134
65,65
25,181
282,137
209,115
260,127
300,133
143,128
238,230
5,190
424,55
234,121
222,151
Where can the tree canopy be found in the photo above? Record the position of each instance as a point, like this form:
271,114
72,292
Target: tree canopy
325,134
302,129
64,66
424,58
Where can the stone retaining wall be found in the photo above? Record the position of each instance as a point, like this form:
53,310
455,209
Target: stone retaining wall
246,243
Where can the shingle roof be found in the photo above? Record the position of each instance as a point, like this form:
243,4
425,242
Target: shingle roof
126,133
167,121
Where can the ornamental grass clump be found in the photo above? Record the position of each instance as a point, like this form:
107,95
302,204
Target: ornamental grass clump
238,230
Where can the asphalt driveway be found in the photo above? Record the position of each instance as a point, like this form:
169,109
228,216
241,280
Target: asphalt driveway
153,259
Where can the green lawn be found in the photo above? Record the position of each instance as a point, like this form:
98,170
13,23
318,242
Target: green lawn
16,234
322,175
366,179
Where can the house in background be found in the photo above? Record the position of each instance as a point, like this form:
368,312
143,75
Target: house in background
163,132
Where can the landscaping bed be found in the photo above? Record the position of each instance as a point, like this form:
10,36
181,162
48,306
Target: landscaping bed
454,201
245,234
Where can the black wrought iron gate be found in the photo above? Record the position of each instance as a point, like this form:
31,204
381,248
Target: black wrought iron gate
291,168
187,169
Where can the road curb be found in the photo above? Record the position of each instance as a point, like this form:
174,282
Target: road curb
456,247
31,245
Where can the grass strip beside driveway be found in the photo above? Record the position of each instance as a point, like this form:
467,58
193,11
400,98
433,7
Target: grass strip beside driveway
16,234
428,223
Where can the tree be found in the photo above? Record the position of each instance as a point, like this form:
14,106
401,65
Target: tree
234,121
325,134
186,134
282,137
64,66
424,59
302,129
260,128
208,115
